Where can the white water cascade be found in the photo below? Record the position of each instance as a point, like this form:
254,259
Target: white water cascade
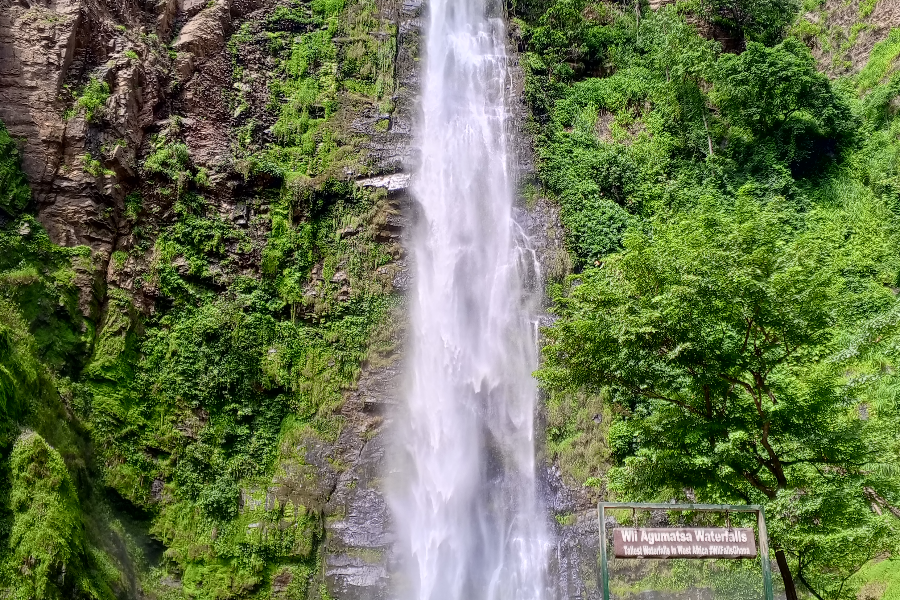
466,507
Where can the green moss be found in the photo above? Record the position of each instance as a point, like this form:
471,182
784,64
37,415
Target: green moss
723,580
169,161
46,535
879,579
339,58
866,7
576,435
192,412
94,167
19,372
38,277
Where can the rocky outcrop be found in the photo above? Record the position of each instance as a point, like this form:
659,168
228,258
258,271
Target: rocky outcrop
359,539
37,47
79,83
205,33
843,33
358,550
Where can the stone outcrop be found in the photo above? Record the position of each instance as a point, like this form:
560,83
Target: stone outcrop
79,168
205,33
842,33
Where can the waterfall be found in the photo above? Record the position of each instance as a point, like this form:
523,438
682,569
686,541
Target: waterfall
466,507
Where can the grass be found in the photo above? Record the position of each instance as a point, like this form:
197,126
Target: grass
866,7
881,62
878,580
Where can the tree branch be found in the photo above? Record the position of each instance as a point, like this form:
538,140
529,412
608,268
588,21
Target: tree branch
873,496
775,467
803,579
747,387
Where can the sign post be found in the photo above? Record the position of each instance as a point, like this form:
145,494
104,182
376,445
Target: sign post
686,542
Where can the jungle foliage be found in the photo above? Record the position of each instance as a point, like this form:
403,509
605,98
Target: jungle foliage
733,219
14,191
182,419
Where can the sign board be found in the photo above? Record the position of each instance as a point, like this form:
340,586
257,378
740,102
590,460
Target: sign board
687,542
704,542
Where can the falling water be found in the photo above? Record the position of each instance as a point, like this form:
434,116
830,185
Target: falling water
467,512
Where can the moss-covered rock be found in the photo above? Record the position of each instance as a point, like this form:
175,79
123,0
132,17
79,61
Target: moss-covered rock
45,555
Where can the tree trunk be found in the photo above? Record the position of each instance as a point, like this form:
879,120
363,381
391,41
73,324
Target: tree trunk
790,591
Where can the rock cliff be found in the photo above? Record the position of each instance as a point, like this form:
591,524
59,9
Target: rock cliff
171,142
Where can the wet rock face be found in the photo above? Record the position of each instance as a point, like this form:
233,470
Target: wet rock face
37,46
359,537
358,543
205,33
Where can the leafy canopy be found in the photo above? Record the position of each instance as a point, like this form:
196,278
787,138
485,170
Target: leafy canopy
714,335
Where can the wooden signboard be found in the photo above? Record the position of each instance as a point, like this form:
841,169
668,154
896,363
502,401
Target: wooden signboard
687,542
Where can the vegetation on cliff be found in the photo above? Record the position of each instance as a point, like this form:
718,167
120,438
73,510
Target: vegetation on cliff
733,219
166,452
14,192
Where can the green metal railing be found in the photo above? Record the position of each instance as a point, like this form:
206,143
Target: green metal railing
726,508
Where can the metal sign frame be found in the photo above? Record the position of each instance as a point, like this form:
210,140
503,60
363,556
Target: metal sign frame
726,508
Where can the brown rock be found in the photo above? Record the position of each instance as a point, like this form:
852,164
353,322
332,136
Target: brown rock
204,35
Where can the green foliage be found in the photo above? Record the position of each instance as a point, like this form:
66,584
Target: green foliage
38,278
19,373
733,221
722,580
756,20
314,76
46,539
777,95
328,8
879,579
702,345
94,167
14,191
880,62
198,240
189,415
170,161
713,337
675,120
91,101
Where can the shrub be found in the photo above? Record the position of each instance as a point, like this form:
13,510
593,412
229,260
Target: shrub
91,101
14,191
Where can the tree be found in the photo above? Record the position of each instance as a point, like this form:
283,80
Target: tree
777,96
757,20
712,335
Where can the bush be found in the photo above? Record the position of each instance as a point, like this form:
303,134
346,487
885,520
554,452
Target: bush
92,100
14,191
